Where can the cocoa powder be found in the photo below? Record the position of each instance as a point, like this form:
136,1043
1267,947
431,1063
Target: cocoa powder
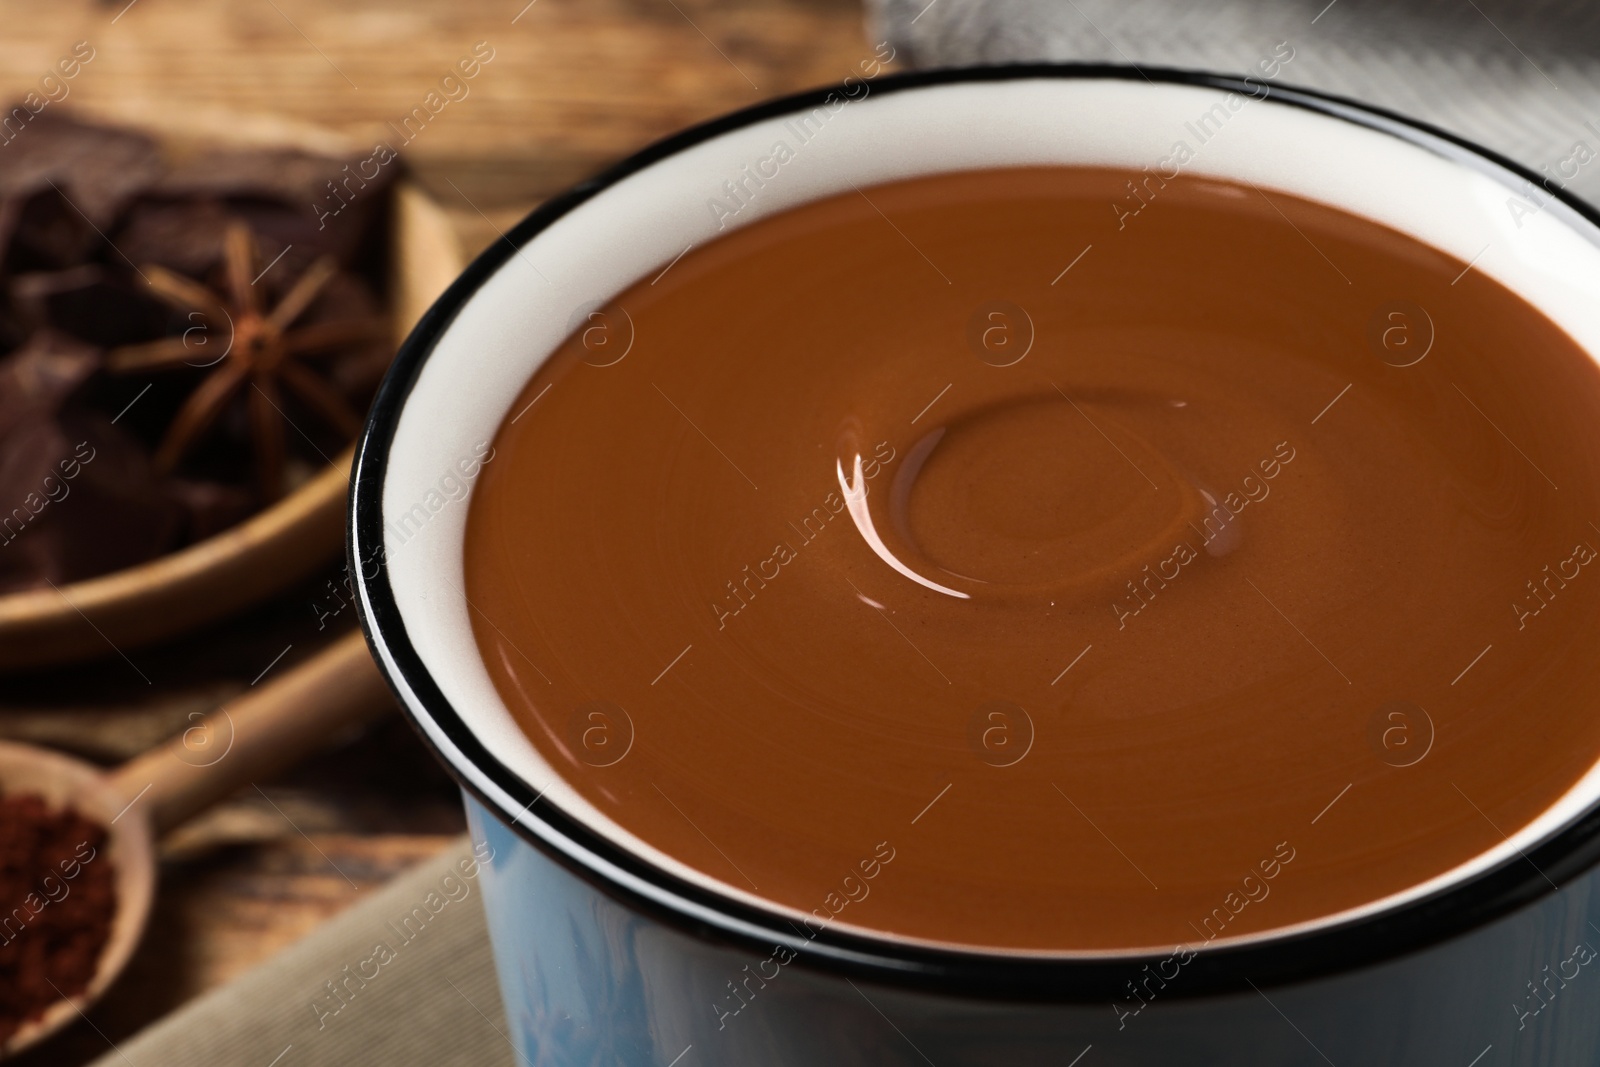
57,890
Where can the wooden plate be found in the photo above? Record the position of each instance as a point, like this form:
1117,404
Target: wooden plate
269,551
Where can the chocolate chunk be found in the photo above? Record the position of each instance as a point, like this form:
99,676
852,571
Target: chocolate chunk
209,507
78,498
37,379
285,175
10,214
184,235
315,203
357,369
109,246
99,305
49,234
98,168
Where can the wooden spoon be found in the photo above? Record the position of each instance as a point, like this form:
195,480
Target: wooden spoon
249,738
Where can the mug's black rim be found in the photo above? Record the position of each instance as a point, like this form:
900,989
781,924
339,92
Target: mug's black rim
1213,970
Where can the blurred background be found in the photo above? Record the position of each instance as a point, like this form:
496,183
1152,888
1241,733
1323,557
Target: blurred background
570,87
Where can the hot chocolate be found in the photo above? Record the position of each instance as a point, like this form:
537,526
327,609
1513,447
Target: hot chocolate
1053,559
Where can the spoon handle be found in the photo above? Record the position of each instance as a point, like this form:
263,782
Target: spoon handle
256,734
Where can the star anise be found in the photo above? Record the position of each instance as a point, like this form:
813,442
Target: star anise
263,356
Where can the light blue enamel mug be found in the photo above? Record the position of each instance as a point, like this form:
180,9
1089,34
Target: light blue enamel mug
607,954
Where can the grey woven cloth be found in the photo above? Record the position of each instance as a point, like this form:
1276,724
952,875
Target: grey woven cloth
1518,76
432,1001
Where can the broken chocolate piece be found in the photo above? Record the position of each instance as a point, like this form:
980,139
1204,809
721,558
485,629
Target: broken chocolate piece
38,378
99,169
108,247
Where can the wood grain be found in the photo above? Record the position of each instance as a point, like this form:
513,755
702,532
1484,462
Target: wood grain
572,86
266,867
271,726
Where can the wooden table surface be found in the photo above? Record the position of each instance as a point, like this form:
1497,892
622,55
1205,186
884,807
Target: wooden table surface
571,86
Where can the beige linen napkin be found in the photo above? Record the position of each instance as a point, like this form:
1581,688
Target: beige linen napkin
335,999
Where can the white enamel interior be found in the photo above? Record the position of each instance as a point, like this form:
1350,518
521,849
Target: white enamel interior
636,227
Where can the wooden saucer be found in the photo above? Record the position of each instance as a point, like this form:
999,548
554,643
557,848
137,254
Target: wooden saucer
248,563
